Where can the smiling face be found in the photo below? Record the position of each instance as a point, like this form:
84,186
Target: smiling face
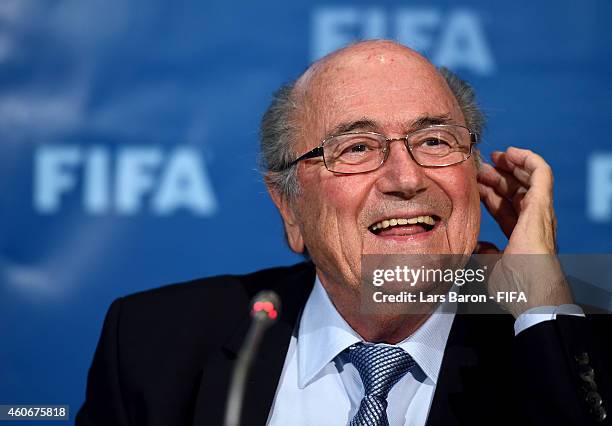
386,88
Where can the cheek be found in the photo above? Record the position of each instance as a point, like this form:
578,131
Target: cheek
346,197
464,225
318,206
337,196
463,190
330,207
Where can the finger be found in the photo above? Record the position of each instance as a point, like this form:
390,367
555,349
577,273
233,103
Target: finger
517,200
525,158
503,162
538,169
504,183
499,207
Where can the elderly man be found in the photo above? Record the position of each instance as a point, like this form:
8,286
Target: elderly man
371,151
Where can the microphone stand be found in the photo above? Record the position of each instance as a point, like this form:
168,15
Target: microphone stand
265,307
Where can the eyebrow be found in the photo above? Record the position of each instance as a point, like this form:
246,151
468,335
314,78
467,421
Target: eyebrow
430,120
370,125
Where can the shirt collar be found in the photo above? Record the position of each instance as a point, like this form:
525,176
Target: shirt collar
426,345
323,334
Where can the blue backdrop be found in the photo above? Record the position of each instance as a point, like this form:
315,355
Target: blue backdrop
129,135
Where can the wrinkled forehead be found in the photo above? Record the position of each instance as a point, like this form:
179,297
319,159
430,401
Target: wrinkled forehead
389,84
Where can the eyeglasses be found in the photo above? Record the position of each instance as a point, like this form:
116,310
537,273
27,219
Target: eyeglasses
438,145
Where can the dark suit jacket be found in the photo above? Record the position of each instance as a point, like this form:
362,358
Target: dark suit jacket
165,358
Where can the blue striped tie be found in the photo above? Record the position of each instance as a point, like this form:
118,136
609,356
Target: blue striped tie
380,367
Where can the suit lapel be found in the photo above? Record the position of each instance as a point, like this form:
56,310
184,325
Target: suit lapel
473,383
449,396
265,372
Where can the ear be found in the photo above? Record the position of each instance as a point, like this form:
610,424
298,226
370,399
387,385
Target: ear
292,228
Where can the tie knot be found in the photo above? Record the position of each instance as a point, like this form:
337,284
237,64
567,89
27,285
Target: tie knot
379,366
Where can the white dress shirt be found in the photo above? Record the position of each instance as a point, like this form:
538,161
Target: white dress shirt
317,389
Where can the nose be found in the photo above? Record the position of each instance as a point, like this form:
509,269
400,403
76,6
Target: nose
400,175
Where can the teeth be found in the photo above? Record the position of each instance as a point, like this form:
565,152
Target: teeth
403,221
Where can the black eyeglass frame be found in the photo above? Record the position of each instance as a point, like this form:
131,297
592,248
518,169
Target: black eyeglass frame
318,151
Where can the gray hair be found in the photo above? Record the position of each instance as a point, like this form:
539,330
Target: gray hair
277,139
279,130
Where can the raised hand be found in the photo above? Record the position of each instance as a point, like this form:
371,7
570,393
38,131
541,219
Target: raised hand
518,192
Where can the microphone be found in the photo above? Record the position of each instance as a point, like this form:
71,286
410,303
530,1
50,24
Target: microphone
265,309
